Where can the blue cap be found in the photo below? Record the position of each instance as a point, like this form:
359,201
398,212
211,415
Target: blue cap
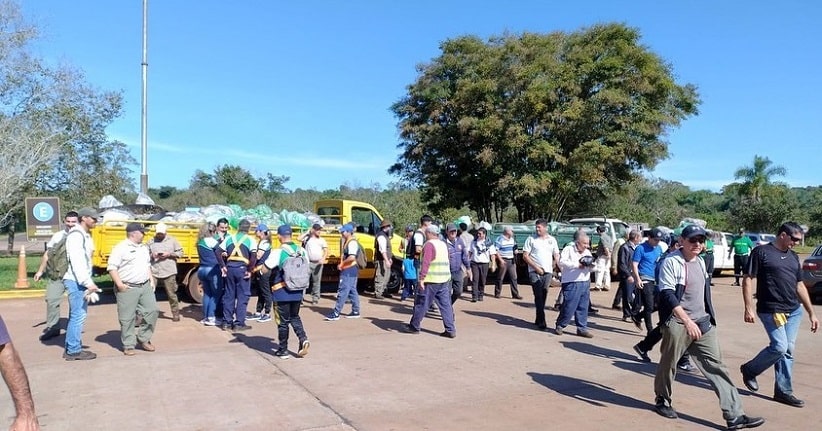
262,227
284,229
348,227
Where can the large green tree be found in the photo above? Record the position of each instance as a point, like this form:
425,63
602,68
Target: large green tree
537,120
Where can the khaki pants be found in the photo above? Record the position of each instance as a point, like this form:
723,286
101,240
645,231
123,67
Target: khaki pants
170,284
54,296
382,272
136,300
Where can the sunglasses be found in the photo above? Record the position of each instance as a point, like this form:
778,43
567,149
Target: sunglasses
795,239
700,240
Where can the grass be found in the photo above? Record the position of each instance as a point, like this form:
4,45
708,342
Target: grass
8,274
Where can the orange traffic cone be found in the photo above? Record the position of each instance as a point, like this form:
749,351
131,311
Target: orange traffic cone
22,273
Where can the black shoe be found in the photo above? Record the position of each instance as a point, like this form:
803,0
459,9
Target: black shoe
744,422
517,296
387,295
637,321
82,355
473,299
664,409
558,330
790,400
50,333
447,334
282,353
616,307
225,326
749,380
240,328
542,327
735,283
592,310
408,329
642,354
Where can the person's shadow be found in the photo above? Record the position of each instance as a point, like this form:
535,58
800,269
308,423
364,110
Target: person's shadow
112,338
265,345
599,395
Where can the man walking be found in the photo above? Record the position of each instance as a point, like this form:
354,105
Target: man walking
383,258
130,269
349,272
55,288
165,250
506,246
434,284
625,274
643,264
741,248
576,262
688,319
457,258
317,249
541,254
780,296
78,283
603,263
242,258
288,301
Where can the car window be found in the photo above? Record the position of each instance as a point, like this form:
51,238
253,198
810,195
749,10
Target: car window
818,251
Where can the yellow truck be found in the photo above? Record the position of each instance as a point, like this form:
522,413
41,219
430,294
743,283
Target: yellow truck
333,212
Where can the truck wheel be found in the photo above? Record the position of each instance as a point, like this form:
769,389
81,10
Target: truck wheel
717,272
195,289
395,281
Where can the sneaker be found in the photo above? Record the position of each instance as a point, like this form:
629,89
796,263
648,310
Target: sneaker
304,345
664,409
265,318
282,353
241,328
210,322
744,422
254,316
749,380
353,315
595,289
642,353
49,333
332,317
585,334
558,330
83,355
687,367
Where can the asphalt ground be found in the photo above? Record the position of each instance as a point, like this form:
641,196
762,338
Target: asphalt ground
364,374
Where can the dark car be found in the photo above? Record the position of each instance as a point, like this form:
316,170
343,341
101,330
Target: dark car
812,273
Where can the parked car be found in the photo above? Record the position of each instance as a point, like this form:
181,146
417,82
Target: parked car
722,243
812,273
760,238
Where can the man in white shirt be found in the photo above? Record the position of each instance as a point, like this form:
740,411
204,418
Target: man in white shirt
576,263
317,249
541,253
54,288
78,283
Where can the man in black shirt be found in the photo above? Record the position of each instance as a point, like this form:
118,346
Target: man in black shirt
775,271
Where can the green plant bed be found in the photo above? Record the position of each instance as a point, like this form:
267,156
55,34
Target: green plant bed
8,274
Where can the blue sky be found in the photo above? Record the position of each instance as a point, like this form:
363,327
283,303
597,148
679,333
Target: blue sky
303,89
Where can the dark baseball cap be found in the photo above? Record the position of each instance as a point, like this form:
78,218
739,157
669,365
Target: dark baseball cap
134,227
693,230
656,233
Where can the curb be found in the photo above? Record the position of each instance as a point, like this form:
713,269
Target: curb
22,293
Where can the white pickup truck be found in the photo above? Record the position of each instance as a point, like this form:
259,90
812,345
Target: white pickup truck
722,243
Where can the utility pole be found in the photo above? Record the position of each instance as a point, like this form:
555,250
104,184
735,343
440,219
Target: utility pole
143,137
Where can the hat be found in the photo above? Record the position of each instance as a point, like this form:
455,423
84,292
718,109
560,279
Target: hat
262,227
348,227
385,223
161,228
693,230
134,227
88,212
316,226
284,230
656,233
433,229
450,227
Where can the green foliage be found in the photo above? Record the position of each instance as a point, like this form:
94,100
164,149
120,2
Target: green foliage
540,122
757,177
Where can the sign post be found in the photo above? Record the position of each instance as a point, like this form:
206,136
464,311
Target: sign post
42,218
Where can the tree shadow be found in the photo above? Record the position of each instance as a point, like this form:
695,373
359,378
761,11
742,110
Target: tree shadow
503,319
598,395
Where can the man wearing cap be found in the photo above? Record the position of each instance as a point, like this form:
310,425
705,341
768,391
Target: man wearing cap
457,258
506,246
241,252
288,302
317,249
349,272
643,265
78,282
741,248
383,259
54,288
688,322
130,268
165,250
262,280
541,253
434,284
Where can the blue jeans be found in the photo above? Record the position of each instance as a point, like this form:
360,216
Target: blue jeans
235,297
779,352
441,294
210,280
575,304
346,291
78,308
408,288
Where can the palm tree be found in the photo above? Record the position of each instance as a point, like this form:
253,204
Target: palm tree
756,178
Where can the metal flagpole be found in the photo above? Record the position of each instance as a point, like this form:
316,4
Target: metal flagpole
143,137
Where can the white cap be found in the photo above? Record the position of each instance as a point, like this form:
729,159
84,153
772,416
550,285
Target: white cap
161,228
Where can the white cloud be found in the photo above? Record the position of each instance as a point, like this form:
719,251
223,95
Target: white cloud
154,145
311,161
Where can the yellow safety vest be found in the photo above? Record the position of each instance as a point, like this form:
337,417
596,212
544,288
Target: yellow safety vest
439,271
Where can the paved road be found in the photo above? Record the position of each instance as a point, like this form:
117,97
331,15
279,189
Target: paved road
499,373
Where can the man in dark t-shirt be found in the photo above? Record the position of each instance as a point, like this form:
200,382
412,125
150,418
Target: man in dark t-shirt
775,271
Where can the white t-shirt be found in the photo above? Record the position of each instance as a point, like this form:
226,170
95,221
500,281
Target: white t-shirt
315,247
382,243
541,251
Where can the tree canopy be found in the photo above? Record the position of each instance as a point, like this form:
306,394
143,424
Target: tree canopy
537,120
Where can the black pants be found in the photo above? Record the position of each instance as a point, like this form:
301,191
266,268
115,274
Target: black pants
740,263
288,312
647,311
539,284
479,272
509,268
709,265
263,293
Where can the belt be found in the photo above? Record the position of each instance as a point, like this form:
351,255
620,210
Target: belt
141,284
507,258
